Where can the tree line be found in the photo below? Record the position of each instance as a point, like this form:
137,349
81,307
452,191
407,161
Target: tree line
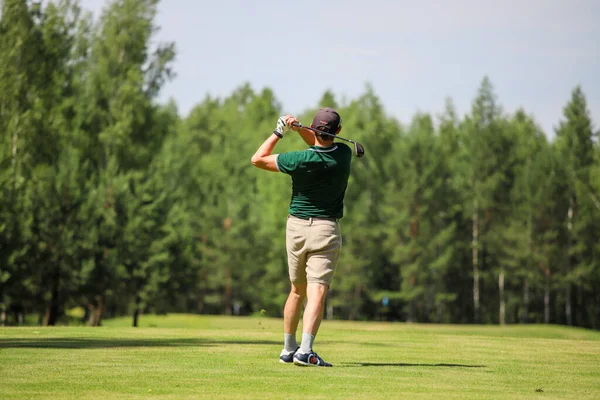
114,204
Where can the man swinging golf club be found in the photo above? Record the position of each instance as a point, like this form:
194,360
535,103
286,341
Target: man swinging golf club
313,237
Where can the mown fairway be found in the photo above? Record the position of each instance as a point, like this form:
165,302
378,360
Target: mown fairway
180,356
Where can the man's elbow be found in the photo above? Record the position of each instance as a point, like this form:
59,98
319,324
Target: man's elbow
258,162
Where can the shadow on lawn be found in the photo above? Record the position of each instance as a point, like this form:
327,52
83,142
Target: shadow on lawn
101,343
368,364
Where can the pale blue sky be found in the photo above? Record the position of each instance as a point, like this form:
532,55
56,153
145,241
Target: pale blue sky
414,53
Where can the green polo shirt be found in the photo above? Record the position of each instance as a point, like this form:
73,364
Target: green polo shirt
319,180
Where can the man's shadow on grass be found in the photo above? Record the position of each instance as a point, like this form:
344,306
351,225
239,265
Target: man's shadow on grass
443,365
102,343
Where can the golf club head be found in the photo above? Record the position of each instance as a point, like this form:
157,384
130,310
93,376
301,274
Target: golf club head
359,150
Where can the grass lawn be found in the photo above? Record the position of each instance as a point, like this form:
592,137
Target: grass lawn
184,356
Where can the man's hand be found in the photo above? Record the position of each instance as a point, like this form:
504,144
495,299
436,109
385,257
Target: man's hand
282,127
290,120
263,158
307,135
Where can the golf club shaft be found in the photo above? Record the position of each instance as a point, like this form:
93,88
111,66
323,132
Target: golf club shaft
321,132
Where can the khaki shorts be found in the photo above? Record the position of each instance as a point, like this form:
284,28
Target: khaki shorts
313,248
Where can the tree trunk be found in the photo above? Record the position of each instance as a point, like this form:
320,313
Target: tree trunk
52,309
135,317
524,315
475,254
203,285
547,298
596,315
329,312
529,263
580,307
355,303
91,314
411,311
429,304
228,301
96,311
502,316
568,312
3,316
99,310
439,313
136,311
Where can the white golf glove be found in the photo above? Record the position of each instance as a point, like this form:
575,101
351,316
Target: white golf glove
282,128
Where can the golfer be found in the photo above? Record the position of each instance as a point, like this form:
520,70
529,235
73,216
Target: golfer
313,237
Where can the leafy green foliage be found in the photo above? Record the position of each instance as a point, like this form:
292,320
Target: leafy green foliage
117,205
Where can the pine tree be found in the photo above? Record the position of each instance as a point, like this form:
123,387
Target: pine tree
575,144
38,72
18,46
420,232
365,271
118,113
479,176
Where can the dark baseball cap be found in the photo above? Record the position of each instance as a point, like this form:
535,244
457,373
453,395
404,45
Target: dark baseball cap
327,120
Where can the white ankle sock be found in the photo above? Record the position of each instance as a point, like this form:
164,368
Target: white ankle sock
289,342
307,343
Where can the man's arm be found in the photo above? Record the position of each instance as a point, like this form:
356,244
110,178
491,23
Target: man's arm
263,158
307,135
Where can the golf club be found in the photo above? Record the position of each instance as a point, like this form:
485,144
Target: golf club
359,150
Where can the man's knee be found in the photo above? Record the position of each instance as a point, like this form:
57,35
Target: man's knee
298,289
317,291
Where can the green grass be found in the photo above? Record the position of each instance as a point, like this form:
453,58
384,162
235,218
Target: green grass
182,356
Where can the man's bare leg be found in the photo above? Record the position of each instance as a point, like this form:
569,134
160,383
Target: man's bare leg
313,314
291,315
